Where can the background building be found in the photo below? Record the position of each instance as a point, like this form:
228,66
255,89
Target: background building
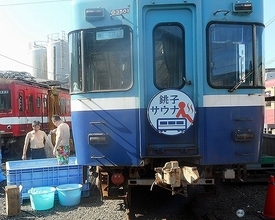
38,55
50,59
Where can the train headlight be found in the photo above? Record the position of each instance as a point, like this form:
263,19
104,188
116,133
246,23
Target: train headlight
9,127
240,135
92,14
242,7
98,138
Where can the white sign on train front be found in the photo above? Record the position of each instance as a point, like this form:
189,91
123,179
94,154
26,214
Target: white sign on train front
171,112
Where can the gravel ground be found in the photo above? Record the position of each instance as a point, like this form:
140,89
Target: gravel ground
153,205
248,197
90,208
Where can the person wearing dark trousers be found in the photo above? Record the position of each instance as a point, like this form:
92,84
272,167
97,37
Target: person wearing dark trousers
36,140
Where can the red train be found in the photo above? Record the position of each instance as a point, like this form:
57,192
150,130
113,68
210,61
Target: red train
22,102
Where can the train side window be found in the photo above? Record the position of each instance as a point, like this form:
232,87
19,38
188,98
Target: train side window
5,100
168,55
38,102
45,103
31,109
63,106
68,106
20,102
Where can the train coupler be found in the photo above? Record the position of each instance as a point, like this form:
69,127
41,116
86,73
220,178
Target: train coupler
175,176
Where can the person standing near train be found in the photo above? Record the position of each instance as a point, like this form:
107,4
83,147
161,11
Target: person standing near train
36,139
62,142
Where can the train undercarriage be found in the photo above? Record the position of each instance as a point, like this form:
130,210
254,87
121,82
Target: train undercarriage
189,181
117,182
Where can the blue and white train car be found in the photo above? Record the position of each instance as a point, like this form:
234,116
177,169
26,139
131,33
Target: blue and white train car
175,87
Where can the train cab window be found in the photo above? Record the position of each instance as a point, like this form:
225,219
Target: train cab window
5,100
168,56
101,59
235,56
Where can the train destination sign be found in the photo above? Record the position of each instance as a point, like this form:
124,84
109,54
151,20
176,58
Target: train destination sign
171,112
110,34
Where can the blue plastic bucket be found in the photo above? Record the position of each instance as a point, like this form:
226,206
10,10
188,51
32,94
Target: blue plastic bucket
69,194
42,198
85,190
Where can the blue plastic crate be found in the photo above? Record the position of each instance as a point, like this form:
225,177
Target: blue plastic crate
42,172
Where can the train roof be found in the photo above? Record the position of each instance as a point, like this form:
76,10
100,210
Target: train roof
27,78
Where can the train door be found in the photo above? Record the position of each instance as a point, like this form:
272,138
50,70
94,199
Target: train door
22,112
42,109
169,81
30,105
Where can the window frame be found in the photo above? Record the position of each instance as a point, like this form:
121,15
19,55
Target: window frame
78,65
257,68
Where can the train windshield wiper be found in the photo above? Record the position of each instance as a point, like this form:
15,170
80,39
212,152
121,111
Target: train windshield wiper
242,80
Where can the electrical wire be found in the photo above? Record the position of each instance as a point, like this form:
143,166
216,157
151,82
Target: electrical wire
270,21
266,25
270,61
32,3
21,63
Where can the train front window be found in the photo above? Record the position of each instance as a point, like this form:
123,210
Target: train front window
5,100
235,56
168,56
101,59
